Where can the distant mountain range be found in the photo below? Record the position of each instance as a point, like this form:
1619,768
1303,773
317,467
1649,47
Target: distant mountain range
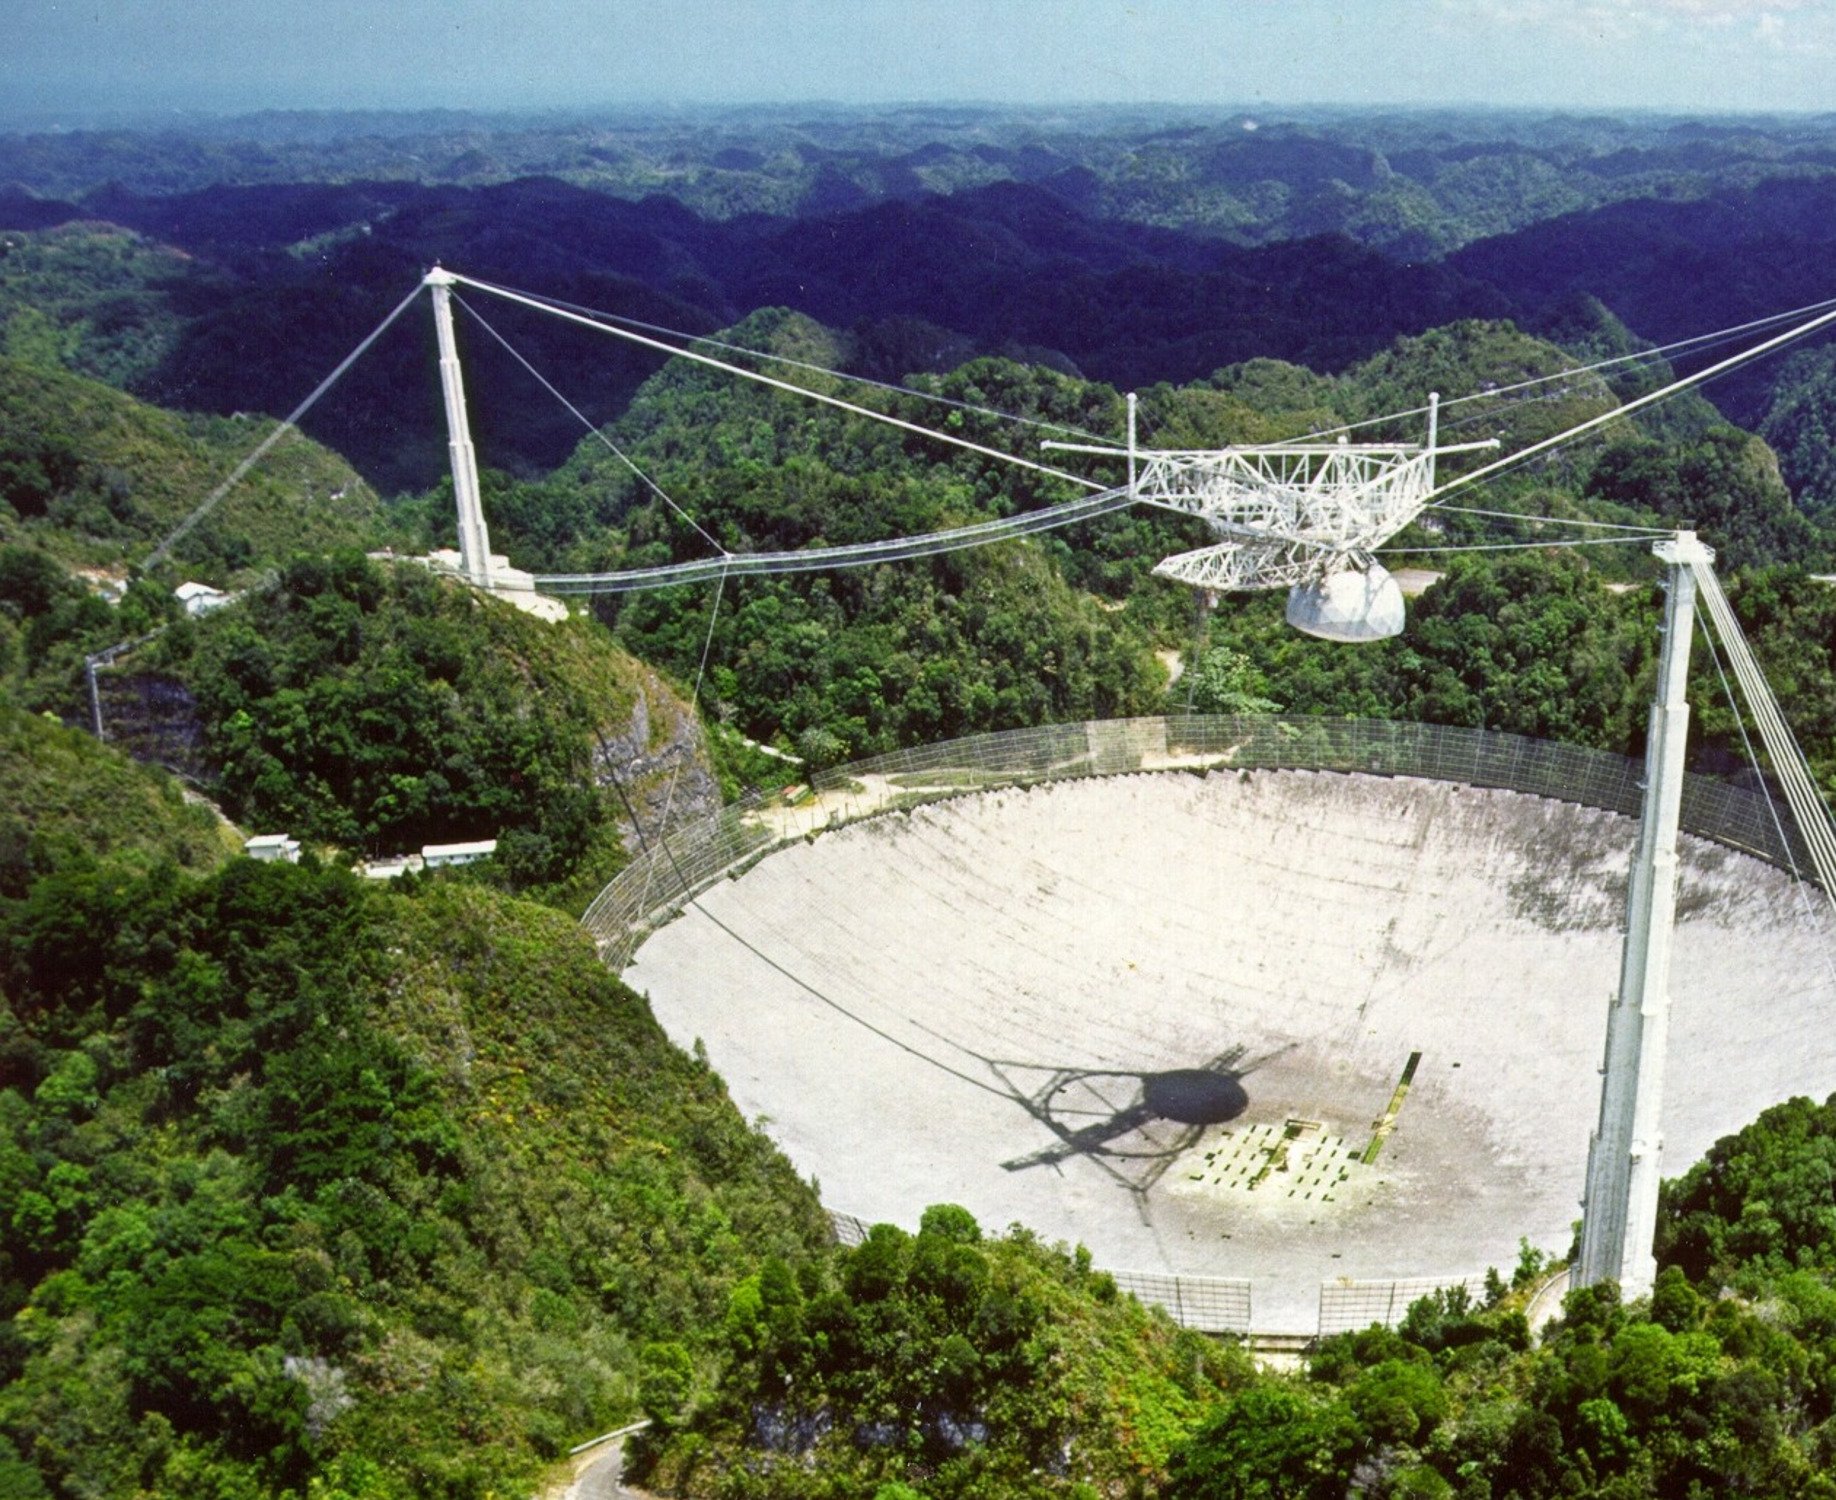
1046,255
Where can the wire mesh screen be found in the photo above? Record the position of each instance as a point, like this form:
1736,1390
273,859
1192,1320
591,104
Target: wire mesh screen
1346,1306
670,872
848,1229
1209,1304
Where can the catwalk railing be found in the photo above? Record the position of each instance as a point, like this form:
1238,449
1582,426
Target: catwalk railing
669,872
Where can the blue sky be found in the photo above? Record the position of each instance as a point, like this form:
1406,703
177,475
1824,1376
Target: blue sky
1673,55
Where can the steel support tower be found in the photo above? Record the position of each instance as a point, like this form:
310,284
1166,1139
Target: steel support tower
474,539
1619,1211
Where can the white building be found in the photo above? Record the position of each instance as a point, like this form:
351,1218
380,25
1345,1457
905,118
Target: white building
273,846
200,598
434,856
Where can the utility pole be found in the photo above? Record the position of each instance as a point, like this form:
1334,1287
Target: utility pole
1619,1211
474,540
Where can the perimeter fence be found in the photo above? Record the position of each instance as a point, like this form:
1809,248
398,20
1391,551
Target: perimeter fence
669,873
1206,1304
1347,1306
1221,1304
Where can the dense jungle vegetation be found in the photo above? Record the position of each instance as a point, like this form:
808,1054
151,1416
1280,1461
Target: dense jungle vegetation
380,708
303,1181
95,478
942,1364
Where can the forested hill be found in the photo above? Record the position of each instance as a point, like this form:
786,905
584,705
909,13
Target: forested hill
226,299
392,1193
1410,183
299,275
98,478
1672,270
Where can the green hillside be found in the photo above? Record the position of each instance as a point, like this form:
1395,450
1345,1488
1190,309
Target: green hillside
63,798
379,708
98,478
303,1180
962,1365
92,298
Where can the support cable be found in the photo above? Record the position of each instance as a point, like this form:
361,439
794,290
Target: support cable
1538,546
1560,439
781,385
891,387
701,671
262,449
1512,515
587,422
1788,762
1659,351
1799,885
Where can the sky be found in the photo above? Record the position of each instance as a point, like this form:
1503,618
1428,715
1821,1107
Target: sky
81,57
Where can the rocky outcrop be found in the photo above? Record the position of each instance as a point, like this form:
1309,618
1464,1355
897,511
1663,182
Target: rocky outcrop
153,717
658,761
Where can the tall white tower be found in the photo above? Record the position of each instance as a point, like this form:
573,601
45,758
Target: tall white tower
474,539
1619,1212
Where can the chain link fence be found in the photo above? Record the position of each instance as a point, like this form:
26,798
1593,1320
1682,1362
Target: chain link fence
1207,1304
669,873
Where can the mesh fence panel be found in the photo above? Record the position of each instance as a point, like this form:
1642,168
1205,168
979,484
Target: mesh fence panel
1346,1306
848,1229
1209,1304
669,873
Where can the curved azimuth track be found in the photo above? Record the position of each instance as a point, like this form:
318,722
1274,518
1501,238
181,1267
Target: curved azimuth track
1167,1016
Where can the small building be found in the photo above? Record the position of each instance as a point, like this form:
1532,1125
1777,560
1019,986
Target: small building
273,846
389,869
434,856
200,598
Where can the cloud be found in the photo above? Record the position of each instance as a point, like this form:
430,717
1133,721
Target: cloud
1777,25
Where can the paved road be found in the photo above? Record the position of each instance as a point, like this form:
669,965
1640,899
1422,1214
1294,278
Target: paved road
598,1475
1547,1303
600,1479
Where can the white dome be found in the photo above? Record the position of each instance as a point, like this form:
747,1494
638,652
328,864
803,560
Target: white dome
1349,606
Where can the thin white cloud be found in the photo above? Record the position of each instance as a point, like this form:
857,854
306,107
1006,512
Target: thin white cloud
1777,26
